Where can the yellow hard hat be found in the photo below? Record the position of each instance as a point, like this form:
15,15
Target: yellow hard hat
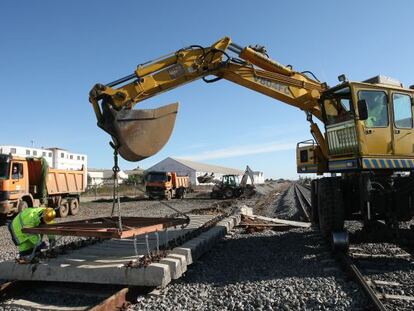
49,215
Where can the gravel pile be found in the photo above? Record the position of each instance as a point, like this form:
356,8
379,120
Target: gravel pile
267,197
261,271
287,207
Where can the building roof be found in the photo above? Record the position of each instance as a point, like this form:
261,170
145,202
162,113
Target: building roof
203,167
134,171
108,173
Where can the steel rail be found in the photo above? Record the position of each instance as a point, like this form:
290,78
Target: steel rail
356,274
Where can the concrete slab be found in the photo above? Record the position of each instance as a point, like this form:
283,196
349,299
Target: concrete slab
175,267
104,263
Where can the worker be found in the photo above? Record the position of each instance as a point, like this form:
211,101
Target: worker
15,171
377,109
31,244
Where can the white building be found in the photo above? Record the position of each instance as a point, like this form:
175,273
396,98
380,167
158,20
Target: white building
99,177
56,158
192,169
95,178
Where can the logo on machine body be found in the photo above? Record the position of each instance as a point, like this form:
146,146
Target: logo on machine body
273,85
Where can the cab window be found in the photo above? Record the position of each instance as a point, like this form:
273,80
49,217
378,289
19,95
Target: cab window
17,171
403,115
377,108
338,106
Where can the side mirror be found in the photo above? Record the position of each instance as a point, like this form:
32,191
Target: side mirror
169,178
362,109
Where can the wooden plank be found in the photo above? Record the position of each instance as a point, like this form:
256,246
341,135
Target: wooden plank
263,225
395,297
284,221
388,283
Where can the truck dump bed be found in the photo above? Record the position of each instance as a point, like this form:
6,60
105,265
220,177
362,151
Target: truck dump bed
180,181
55,181
65,181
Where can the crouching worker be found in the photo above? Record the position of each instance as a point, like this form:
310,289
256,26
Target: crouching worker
31,244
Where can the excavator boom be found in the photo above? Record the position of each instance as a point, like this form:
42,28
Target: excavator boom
142,133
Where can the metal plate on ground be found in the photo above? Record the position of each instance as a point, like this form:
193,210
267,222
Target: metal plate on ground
108,227
106,262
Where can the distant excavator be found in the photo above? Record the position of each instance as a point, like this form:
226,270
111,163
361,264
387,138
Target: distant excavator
229,186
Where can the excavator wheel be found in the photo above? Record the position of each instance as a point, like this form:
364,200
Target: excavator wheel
330,206
228,193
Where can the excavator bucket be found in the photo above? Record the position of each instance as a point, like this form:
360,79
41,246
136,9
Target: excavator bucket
139,134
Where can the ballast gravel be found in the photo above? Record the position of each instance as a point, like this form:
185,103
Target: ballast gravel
270,270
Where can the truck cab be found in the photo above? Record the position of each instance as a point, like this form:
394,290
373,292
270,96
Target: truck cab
28,182
166,185
14,184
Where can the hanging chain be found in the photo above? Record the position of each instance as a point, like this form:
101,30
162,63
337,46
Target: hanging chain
116,200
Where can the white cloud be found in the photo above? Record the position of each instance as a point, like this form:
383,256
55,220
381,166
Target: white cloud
240,150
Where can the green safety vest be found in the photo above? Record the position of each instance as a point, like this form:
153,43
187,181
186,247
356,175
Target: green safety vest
28,218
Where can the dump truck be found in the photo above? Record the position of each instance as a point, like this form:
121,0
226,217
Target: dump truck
28,182
166,185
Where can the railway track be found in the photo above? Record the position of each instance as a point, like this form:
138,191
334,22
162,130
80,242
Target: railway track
383,269
63,296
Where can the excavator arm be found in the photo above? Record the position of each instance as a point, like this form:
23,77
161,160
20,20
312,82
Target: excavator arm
248,173
142,133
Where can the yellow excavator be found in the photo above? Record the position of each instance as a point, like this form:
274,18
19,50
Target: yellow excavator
367,144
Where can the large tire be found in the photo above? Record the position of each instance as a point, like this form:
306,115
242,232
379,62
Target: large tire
179,193
22,206
314,202
63,209
228,193
330,205
74,206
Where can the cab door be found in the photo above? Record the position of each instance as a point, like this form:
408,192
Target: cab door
376,134
402,124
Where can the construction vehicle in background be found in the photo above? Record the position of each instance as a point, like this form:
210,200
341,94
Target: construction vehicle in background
166,185
29,182
206,178
230,186
368,126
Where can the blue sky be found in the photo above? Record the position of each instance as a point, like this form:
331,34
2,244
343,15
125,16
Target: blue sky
53,52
